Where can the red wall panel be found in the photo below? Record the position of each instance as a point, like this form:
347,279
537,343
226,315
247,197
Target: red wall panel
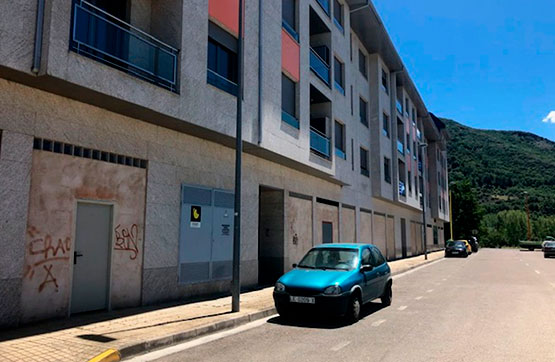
290,55
226,13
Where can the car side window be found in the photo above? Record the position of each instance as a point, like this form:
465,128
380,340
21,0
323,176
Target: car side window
377,257
366,259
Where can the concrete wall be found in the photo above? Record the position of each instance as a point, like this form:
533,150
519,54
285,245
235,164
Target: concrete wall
366,227
15,177
348,225
57,183
326,213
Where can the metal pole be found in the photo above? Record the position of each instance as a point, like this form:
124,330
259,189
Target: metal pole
236,281
529,231
37,53
451,215
423,147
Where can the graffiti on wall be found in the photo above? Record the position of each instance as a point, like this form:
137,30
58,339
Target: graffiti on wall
127,239
45,252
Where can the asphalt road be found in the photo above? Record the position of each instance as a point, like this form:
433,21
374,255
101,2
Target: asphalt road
496,305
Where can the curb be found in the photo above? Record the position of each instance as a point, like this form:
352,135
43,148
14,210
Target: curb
415,266
113,355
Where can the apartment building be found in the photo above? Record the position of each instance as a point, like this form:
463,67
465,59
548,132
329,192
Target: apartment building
117,124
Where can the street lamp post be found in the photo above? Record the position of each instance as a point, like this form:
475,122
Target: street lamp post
422,147
528,228
236,274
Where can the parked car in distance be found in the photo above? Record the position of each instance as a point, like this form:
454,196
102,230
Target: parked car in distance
335,279
549,249
456,248
474,244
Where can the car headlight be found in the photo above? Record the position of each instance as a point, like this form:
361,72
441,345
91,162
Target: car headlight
279,287
333,290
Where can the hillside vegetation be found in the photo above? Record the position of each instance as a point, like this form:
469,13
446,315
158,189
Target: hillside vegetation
501,166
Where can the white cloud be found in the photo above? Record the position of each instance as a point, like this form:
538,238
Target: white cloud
550,118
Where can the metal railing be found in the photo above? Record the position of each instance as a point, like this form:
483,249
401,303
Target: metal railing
103,37
221,82
400,147
325,4
402,188
290,120
319,67
319,142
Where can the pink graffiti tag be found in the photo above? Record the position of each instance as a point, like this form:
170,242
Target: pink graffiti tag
126,240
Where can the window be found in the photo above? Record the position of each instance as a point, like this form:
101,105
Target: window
387,170
222,59
338,75
414,148
351,47
407,107
408,143
415,186
352,105
385,82
338,14
377,257
362,63
289,101
363,112
385,129
414,117
410,182
340,140
366,257
288,17
364,162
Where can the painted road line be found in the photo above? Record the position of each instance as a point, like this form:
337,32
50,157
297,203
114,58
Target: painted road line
444,279
403,307
200,341
340,346
419,297
429,290
537,271
527,264
377,323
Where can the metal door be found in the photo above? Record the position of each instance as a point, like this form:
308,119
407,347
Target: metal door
91,258
327,232
404,237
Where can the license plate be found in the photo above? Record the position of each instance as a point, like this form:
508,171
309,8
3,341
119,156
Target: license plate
303,300
455,252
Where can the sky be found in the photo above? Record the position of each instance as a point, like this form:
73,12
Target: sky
487,64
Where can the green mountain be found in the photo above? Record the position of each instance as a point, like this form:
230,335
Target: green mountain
502,166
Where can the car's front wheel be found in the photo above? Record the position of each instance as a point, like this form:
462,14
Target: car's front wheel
284,312
387,296
353,312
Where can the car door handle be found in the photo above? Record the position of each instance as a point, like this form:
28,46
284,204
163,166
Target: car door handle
76,254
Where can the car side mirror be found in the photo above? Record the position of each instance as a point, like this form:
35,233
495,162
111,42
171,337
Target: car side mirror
294,266
366,268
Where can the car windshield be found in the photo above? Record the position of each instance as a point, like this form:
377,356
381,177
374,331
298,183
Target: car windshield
330,258
550,244
459,243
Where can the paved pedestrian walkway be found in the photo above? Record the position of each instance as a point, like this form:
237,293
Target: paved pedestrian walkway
133,331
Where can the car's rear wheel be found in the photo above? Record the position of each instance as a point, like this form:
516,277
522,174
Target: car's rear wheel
353,312
387,295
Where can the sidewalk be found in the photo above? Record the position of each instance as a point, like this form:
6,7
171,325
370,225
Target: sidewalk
126,333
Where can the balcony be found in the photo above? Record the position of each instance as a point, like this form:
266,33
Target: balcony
319,143
325,4
290,120
319,67
400,147
101,36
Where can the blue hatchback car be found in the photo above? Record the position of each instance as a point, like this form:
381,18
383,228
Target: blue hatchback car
335,279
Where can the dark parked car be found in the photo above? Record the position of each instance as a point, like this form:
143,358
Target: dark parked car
456,248
549,249
474,244
335,279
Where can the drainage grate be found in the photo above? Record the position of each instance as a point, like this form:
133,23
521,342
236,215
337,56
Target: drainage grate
84,152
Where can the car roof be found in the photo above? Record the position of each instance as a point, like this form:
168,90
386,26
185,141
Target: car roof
343,246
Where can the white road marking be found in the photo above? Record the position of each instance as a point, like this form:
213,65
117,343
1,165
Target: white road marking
552,284
444,279
527,264
377,323
537,271
429,290
197,342
419,297
415,269
340,346
403,307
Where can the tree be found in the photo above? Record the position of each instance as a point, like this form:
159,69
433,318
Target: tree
467,213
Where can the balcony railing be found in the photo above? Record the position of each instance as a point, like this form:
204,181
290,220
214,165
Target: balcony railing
402,188
319,143
325,4
319,67
420,166
105,38
340,153
399,106
221,82
290,120
400,147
